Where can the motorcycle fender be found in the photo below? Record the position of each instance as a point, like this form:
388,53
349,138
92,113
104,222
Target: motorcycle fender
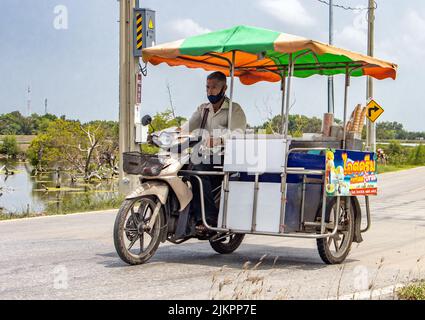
181,189
151,188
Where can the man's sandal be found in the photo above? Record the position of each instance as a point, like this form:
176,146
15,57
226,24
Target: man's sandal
201,229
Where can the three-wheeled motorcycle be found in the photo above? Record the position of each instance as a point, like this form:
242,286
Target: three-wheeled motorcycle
272,184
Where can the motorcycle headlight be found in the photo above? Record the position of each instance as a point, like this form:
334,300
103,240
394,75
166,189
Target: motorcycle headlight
166,139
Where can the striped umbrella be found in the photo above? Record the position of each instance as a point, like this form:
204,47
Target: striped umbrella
263,55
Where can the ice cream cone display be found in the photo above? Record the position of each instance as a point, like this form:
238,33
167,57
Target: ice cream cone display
357,115
349,126
357,119
362,120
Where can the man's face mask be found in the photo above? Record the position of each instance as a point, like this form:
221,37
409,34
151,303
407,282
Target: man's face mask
216,98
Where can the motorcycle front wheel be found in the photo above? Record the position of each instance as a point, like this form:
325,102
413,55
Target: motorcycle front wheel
135,242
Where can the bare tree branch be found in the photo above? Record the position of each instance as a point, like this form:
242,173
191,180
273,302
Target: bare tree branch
171,100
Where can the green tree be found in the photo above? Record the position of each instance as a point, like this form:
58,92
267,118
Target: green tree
273,126
397,155
161,121
395,131
418,156
9,146
164,120
11,123
298,124
42,152
85,149
41,123
14,123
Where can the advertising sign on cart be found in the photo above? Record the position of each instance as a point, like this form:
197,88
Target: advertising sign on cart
351,173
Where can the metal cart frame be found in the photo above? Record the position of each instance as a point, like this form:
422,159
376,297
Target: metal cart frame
286,74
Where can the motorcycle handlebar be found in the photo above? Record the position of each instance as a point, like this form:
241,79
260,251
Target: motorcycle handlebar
180,147
177,148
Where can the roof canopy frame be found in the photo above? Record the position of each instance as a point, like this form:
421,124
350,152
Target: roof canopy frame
276,68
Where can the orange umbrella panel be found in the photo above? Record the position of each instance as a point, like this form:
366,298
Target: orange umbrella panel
263,55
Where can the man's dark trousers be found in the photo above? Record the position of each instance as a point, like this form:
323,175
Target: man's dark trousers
209,183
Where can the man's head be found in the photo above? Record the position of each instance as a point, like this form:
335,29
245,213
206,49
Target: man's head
216,86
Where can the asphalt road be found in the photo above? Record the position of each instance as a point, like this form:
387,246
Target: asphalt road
73,257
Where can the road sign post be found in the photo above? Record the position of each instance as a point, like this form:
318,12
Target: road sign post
370,129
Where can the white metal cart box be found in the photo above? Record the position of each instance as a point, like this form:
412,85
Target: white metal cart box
253,156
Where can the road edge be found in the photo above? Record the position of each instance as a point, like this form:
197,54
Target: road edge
59,215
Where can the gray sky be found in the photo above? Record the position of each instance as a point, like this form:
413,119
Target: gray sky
77,68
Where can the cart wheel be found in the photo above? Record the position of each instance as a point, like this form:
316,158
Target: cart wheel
334,250
227,245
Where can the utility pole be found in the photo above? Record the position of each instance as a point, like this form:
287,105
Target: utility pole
370,126
127,91
331,103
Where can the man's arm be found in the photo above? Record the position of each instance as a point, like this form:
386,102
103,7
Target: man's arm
238,119
194,122
238,125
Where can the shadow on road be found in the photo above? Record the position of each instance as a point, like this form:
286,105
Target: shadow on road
202,254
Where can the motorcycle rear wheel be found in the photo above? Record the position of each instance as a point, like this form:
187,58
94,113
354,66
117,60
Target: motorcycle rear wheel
334,250
227,245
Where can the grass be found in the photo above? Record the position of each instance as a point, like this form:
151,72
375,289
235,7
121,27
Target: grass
22,139
247,284
62,189
414,291
250,283
84,203
394,168
11,172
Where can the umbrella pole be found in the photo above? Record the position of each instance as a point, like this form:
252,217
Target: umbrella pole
347,84
226,176
288,95
282,112
232,83
285,132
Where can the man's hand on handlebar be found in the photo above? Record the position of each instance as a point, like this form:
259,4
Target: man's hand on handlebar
212,142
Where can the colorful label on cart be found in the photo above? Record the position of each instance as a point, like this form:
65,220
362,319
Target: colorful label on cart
351,173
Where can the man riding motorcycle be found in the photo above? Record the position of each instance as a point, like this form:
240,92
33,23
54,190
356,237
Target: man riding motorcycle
167,204
212,119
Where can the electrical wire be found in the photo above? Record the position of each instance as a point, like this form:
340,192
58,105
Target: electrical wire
348,7
143,70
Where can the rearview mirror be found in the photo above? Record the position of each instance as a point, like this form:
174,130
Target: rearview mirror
146,120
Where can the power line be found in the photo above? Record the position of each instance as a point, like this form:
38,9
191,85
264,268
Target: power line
348,7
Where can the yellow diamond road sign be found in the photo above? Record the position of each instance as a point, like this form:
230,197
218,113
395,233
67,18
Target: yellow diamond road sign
374,111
